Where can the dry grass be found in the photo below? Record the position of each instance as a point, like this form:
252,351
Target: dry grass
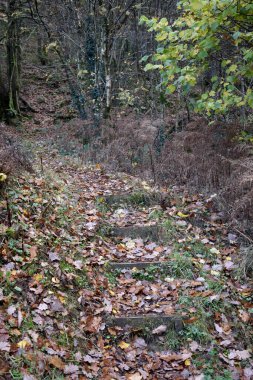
200,157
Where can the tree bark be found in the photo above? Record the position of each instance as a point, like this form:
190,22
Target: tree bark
13,56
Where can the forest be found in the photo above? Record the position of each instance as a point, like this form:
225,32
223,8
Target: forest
126,189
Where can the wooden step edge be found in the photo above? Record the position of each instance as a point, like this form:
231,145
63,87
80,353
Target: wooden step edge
151,321
139,265
150,233
148,199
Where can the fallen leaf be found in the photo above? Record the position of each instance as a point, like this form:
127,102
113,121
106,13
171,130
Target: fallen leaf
159,330
175,357
239,355
89,359
92,324
140,343
123,345
23,344
56,362
218,328
71,369
181,215
33,252
135,376
244,316
53,256
194,346
5,346
214,250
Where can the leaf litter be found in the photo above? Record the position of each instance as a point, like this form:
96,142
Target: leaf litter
56,292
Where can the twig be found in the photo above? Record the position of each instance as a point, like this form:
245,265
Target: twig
245,236
27,105
41,165
9,216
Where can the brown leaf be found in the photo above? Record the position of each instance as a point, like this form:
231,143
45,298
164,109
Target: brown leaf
92,324
245,317
175,357
4,367
135,376
33,252
56,362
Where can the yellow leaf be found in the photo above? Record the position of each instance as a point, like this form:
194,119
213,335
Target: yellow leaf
181,215
111,293
23,344
3,177
123,345
38,277
187,362
62,299
215,273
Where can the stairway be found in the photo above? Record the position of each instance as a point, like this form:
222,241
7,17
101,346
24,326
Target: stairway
147,301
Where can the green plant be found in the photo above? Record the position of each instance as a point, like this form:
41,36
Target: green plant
102,205
172,340
156,214
181,266
245,136
212,366
197,332
66,267
202,34
82,280
112,276
170,229
148,274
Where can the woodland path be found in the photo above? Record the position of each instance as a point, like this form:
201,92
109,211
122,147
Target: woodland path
105,281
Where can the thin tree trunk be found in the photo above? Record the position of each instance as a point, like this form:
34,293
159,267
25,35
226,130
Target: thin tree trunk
13,57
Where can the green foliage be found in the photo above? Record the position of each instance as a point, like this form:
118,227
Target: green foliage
246,137
209,35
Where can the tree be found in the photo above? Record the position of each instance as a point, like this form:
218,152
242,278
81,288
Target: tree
11,61
13,55
206,54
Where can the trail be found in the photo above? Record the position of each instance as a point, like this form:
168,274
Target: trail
105,281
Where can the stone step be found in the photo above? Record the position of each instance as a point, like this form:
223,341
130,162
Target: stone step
150,321
139,265
153,233
135,199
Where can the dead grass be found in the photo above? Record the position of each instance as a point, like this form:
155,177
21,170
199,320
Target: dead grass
211,159
200,157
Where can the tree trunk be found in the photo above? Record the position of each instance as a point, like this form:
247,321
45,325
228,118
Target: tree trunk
41,49
107,65
4,99
13,57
